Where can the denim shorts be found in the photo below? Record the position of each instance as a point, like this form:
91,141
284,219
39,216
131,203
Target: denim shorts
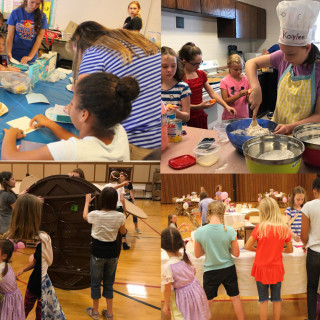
263,291
102,270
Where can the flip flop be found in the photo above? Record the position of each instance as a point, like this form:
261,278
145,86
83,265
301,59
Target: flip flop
91,313
106,314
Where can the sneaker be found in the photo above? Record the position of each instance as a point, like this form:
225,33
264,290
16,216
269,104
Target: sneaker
138,231
125,246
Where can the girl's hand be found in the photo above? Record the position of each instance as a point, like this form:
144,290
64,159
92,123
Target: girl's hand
296,238
171,107
89,197
207,104
12,69
255,99
17,133
232,111
19,273
39,121
166,309
25,60
283,129
243,93
9,55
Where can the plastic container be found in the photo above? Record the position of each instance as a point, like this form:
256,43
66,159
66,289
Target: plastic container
16,82
207,153
164,127
221,129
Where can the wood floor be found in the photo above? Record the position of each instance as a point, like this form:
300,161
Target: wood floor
137,285
294,307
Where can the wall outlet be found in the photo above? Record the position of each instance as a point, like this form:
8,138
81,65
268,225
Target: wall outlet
180,22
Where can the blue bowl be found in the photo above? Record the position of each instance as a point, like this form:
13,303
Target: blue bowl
238,140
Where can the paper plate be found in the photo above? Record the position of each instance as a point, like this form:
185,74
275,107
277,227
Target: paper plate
182,162
69,87
53,116
3,109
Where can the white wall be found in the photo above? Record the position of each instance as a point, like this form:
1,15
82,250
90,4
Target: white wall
203,32
110,13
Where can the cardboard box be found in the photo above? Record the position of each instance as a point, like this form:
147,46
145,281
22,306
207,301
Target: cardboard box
34,70
69,31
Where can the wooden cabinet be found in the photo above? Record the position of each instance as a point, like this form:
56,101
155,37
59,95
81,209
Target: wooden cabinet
189,5
219,8
250,23
171,4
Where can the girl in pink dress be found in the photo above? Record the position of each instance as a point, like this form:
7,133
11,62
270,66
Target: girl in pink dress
11,307
235,88
183,294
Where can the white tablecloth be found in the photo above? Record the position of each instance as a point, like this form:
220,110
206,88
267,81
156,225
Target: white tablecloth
295,278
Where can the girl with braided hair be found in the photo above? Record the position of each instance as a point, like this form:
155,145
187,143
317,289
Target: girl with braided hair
187,300
218,242
12,306
7,199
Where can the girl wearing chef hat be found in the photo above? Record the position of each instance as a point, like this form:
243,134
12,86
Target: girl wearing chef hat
298,63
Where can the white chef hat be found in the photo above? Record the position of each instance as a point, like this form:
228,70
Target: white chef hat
297,19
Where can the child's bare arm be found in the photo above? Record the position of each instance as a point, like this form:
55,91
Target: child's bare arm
289,248
305,225
89,198
27,267
167,294
232,99
249,244
234,248
198,250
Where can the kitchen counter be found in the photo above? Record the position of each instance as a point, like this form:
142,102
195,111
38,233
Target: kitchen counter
229,161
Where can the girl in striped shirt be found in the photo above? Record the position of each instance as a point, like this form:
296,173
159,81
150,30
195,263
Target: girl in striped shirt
175,93
293,212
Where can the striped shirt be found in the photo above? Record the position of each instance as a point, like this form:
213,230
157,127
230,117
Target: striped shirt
296,224
175,94
143,126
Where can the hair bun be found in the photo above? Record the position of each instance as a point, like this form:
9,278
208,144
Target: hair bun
128,88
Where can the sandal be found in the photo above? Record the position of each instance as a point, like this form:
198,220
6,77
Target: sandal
92,314
106,314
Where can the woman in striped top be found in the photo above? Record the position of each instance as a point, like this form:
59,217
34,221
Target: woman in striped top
123,52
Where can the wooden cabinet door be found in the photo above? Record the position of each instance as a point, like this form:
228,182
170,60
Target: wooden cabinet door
261,23
219,8
246,21
228,9
172,4
189,5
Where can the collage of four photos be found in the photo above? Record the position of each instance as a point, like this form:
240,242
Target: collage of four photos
159,159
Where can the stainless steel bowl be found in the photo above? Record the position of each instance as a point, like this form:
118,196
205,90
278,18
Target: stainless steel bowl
254,147
305,132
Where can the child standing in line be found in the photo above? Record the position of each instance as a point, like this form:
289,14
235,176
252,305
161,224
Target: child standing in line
191,57
234,89
106,223
293,212
33,292
271,234
175,93
114,182
218,192
25,224
218,242
187,301
310,236
12,305
172,223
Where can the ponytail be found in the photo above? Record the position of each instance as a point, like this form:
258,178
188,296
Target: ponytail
7,248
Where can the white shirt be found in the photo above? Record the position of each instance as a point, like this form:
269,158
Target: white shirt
311,210
119,191
92,149
46,251
105,224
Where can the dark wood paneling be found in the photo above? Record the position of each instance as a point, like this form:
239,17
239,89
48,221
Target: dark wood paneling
172,4
247,186
228,9
189,5
261,23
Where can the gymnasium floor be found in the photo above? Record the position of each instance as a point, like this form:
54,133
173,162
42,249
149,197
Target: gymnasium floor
294,307
137,289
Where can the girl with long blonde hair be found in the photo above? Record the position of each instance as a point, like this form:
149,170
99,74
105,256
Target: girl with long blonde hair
123,52
218,242
271,234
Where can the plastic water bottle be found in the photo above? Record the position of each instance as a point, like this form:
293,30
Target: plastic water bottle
164,127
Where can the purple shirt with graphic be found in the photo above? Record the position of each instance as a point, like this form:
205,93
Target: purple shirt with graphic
278,62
